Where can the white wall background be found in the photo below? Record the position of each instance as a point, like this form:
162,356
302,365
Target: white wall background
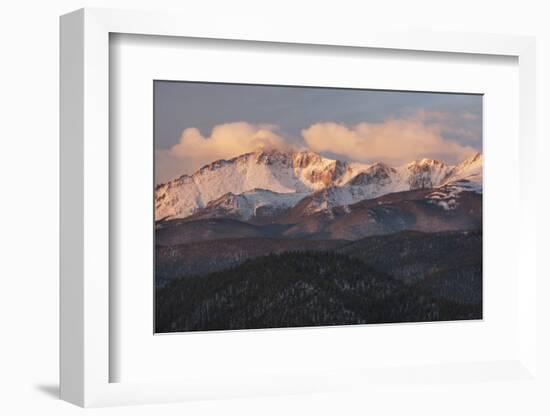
29,198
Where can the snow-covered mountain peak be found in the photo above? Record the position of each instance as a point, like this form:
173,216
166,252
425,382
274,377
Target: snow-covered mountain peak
477,157
429,162
470,169
425,173
306,158
273,157
474,161
297,160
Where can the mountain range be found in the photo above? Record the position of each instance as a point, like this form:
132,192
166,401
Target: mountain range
261,186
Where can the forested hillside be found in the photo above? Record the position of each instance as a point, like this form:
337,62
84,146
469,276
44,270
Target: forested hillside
296,289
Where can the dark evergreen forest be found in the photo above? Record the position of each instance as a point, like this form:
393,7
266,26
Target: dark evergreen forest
317,288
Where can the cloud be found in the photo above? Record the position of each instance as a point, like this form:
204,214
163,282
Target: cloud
438,135
228,140
394,141
464,126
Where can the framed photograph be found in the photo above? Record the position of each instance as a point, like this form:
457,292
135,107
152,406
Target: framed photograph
273,214
312,206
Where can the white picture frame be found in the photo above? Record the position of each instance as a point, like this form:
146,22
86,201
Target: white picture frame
85,355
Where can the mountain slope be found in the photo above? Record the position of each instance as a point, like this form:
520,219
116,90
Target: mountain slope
391,213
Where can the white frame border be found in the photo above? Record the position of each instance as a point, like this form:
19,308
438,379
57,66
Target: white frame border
84,219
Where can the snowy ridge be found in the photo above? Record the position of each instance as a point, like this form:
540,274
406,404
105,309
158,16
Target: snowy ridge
267,182
380,179
376,180
471,169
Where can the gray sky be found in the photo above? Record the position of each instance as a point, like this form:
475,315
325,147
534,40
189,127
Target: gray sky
289,111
